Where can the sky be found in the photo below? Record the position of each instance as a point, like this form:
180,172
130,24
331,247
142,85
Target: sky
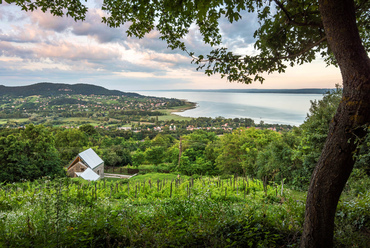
38,47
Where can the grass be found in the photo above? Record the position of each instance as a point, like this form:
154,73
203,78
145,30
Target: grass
77,121
298,195
170,116
19,120
173,117
157,176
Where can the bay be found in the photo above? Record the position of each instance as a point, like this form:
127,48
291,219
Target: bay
272,108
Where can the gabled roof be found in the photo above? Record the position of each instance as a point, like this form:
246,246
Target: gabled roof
88,174
78,163
90,158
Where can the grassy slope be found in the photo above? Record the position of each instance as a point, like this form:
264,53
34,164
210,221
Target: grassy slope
70,214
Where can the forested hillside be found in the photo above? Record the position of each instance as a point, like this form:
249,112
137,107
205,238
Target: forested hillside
55,89
74,105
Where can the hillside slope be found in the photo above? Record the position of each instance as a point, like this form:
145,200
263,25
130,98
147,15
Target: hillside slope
48,89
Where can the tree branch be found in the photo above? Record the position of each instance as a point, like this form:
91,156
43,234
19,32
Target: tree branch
305,50
238,57
291,21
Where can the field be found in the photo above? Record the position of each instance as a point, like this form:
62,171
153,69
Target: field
170,116
18,120
155,210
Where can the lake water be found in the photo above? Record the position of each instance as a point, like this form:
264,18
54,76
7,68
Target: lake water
274,108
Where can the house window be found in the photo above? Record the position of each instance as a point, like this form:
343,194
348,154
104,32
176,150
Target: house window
98,172
82,169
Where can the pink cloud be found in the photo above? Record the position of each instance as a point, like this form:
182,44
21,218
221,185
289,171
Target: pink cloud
73,51
50,22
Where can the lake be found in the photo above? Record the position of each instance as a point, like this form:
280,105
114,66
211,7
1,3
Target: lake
273,108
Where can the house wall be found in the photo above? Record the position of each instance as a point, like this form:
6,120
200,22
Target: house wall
76,160
78,167
99,170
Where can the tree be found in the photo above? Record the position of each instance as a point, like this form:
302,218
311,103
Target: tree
163,140
29,154
291,32
70,142
138,158
154,154
315,129
238,150
197,141
88,129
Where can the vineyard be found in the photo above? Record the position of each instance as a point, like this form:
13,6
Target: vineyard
154,210
108,213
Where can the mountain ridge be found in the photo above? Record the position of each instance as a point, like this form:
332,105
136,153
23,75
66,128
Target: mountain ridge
52,89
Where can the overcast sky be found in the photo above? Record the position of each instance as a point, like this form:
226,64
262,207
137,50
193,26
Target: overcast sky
37,47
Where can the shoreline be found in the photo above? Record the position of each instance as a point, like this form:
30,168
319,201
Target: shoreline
170,113
192,105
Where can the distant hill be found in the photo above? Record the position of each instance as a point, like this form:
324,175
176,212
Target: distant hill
52,89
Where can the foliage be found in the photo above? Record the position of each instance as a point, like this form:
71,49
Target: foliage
194,157
138,158
154,154
88,129
28,154
295,155
362,155
239,150
316,127
70,142
352,217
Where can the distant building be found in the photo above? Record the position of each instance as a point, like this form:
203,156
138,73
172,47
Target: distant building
87,165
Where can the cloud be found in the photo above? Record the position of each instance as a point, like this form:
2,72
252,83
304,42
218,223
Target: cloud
47,21
11,13
9,50
75,52
25,34
241,30
94,27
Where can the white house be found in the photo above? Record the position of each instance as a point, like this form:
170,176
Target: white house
87,165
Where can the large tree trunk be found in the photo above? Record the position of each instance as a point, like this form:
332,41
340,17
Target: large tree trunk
336,163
